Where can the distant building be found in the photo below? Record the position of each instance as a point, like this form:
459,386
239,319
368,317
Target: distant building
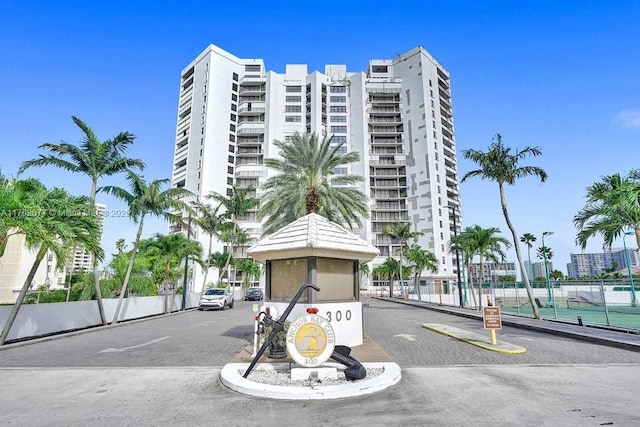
491,271
81,261
593,264
536,269
16,264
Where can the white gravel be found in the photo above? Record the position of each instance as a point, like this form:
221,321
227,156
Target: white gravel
282,377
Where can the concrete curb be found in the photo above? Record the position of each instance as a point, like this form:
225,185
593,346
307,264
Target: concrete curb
231,378
474,339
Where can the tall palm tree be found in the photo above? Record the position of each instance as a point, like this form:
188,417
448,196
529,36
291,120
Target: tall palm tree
498,164
421,259
95,159
55,232
401,232
303,184
143,199
211,223
121,245
528,239
612,207
18,199
235,205
382,272
543,251
364,269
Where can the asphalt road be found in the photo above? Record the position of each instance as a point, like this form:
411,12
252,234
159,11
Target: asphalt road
165,371
212,338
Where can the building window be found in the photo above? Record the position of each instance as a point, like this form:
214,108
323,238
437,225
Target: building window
338,129
233,117
229,180
234,97
337,89
230,159
230,170
234,87
290,119
235,77
232,138
293,108
338,119
338,98
232,149
252,67
234,107
293,99
232,128
338,109
293,89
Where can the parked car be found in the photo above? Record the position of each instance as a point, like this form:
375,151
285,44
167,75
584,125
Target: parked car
216,298
253,294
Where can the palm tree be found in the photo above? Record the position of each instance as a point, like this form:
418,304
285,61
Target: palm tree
465,244
96,160
401,232
250,270
55,232
499,165
211,223
303,184
235,205
364,269
392,266
382,272
121,245
528,239
18,199
612,207
543,251
147,199
218,260
168,250
421,259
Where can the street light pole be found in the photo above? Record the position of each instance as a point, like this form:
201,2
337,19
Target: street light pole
634,302
550,300
455,234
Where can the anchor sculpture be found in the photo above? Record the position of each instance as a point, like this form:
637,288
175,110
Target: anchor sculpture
341,353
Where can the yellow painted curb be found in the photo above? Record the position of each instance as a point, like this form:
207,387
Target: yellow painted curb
474,339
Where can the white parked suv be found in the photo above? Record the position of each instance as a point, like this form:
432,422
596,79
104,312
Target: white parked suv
216,298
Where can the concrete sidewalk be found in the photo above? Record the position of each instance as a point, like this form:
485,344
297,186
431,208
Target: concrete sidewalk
598,335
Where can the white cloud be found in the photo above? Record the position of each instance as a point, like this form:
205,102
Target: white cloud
628,118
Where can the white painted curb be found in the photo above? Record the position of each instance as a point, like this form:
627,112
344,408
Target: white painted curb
230,376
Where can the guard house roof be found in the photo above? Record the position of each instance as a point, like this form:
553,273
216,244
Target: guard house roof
313,235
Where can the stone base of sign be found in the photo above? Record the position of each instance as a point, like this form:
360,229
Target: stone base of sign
482,341
320,373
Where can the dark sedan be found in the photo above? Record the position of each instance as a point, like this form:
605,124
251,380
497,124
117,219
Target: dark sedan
253,294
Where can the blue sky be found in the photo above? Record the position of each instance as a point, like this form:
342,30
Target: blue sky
560,75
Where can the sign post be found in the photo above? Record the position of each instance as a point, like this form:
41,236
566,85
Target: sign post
492,321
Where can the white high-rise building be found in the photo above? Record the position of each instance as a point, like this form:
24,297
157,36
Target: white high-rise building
397,115
81,261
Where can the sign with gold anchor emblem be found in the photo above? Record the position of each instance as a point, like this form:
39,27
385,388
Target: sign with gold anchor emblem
310,340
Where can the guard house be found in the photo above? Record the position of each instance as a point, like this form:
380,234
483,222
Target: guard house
314,250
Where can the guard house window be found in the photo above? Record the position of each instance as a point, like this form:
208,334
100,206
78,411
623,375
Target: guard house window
286,277
335,278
